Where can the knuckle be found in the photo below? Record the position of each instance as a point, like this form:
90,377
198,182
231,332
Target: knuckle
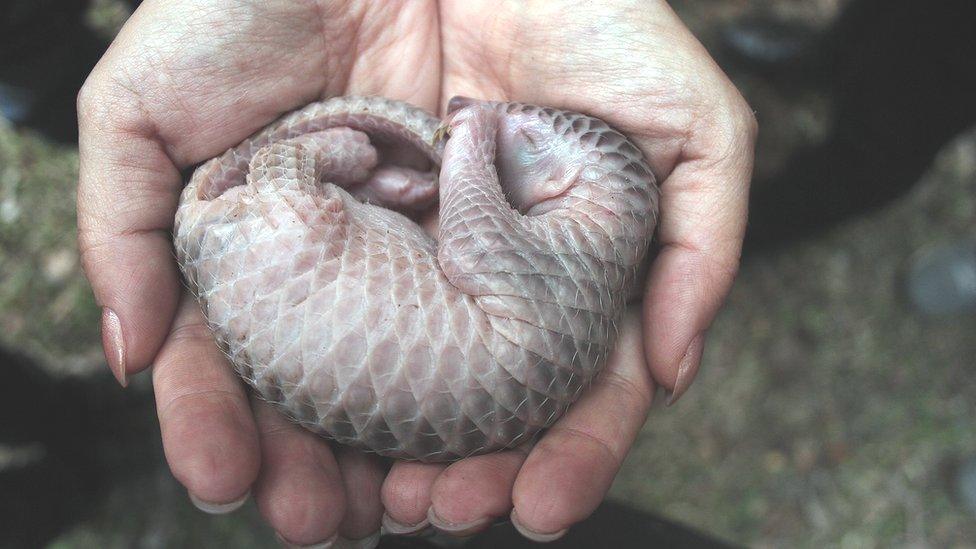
712,262
296,517
94,249
86,250
192,332
107,101
85,241
91,101
726,269
723,263
405,495
193,397
738,120
745,117
268,430
730,120
90,239
634,394
85,101
752,122
587,442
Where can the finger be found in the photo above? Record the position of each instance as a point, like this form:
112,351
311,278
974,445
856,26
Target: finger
362,476
472,493
300,490
123,236
208,432
570,469
406,496
704,204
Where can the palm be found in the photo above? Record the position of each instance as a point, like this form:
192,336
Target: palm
184,82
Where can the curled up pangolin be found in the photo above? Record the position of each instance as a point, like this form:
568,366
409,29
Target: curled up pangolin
334,304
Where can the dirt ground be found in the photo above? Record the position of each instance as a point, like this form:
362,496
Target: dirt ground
826,412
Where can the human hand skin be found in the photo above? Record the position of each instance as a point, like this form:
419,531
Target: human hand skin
186,79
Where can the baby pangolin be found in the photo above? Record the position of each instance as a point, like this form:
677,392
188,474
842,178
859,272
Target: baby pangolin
342,311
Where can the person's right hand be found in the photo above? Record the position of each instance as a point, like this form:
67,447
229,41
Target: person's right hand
184,81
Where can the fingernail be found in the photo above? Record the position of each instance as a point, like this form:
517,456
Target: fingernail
219,508
687,369
327,544
533,535
369,542
395,528
455,528
114,345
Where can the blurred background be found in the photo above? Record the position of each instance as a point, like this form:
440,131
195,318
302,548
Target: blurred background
836,405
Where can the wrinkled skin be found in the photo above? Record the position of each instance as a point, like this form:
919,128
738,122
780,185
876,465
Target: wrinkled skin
187,79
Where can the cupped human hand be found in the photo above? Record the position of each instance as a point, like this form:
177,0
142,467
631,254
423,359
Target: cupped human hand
182,82
636,66
186,79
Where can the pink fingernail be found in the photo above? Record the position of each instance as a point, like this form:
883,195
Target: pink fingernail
455,528
114,345
331,542
395,528
687,369
219,508
533,535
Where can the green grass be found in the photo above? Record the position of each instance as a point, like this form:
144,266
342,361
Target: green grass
46,306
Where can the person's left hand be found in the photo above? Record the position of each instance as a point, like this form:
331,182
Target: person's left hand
637,67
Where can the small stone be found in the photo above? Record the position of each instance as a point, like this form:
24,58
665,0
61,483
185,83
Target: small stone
775,461
60,264
9,210
805,455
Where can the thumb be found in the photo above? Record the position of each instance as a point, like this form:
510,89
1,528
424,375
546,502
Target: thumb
127,194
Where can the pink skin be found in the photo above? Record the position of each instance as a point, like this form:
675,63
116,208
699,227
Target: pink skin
171,93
